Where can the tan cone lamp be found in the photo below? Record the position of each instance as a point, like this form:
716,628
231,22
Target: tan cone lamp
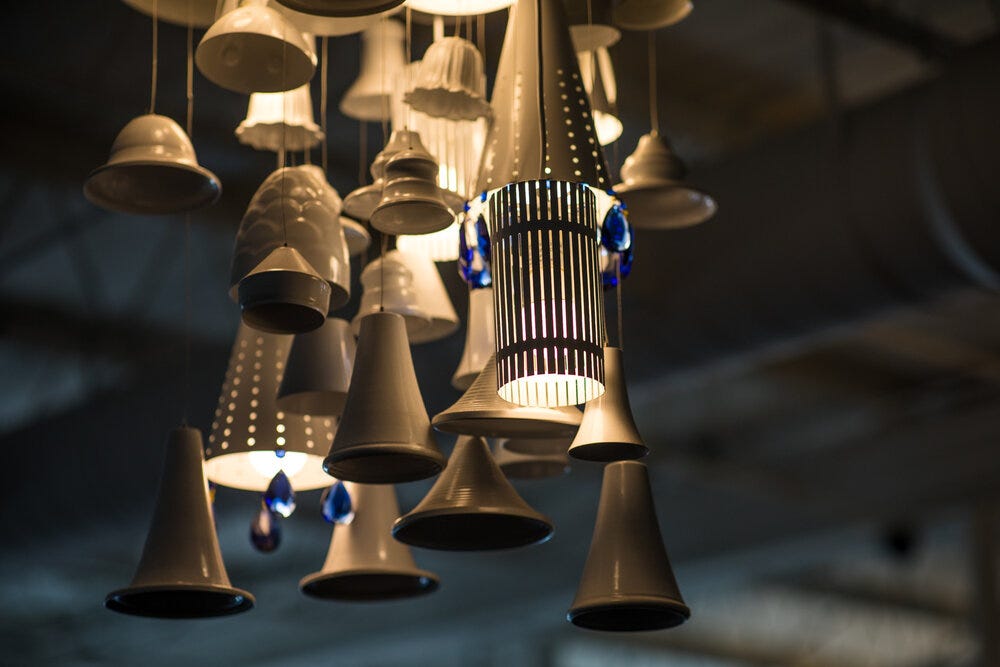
472,507
608,432
252,48
451,81
479,344
318,373
627,583
196,13
251,439
280,121
481,412
651,14
152,170
364,562
517,465
431,296
389,284
385,436
181,573
284,294
342,7
382,54
412,202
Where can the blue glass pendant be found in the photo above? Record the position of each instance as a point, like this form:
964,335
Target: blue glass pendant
336,504
616,232
474,253
265,530
280,497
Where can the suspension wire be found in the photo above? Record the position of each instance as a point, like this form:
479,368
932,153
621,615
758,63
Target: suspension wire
362,152
654,116
155,58
188,305
618,301
284,131
481,35
381,272
322,100
384,99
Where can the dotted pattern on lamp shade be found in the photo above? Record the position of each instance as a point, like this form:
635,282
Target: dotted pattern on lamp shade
549,307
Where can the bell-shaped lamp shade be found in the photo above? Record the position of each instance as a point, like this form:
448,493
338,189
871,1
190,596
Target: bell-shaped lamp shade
328,26
440,246
481,412
382,55
345,8
479,340
627,583
598,76
516,465
251,439
472,507
389,285
459,7
319,371
608,432
451,81
385,436
280,121
284,294
296,207
651,14
196,13
431,296
412,202
252,48
357,237
361,203
152,170
653,190
364,562
181,573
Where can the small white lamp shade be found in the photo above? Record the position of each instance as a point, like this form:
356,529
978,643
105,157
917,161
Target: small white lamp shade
432,297
280,121
382,55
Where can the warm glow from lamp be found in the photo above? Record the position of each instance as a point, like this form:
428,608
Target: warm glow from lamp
459,7
267,464
440,246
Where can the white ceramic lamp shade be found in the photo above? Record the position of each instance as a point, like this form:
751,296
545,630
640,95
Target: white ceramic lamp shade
280,122
479,339
412,202
598,76
608,432
431,296
451,81
389,285
382,55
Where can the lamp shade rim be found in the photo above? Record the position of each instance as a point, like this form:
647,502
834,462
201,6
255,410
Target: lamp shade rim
442,529
500,423
646,196
631,613
180,600
405,462
369,584
210,188
608,452
350,8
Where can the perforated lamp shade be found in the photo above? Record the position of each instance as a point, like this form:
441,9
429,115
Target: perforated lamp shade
248,429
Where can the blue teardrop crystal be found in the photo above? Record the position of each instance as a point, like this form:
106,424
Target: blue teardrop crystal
609,260
265,530
474,253
336,504
280,497
616,232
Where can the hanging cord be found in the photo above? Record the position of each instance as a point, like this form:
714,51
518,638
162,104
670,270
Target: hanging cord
189,72
155,59
362,152
542,129
381,272
654,116
322,100
188,305
384,99
618,301
284,132
481,35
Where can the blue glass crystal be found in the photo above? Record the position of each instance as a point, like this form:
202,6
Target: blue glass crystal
279,496
336,504
280,453
265,530
616,232
474,253
611,260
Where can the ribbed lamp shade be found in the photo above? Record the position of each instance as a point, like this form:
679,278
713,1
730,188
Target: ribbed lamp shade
472,507
651,14
627,583
516,465
283,294
181,573
364,562
319,371
479,340
412,202
608,432
382,54
385,436
361,203
451,81
280,121
481,412
389,284
251,439
341,7
152,170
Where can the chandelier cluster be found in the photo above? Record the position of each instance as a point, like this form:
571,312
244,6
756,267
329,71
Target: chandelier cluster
518,192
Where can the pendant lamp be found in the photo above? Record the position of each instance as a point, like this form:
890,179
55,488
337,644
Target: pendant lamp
412,202
370,96
608,432
389,285
598,76
516,465
357,237
481,412
283,294
439,246
360,203
451,81
651,14
251,439
329,26
431,296
472,507
479,341
252,48
652,187
385,436
627,583
318,373
341,7
364,562
280,122
181,573
152,170
546,176
196,13
458,7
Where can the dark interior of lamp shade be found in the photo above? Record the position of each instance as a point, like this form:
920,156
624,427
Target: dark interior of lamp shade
152,188
382,467
178,603
535,469
607,452
370,586
629,617
283,318
471,531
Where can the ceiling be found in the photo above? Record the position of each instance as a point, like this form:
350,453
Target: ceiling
819,384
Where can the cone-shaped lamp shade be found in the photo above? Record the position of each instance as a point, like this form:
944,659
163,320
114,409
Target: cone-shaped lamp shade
459,7
196,13
627,583
382,55
481,412
516,465
364,561
432,297
451,81
284,294
472,507
651,14
152,170
342,7
390,285
608,432
479,339
181,574
319,371
251,439
385,436
653,190
277,121
252,48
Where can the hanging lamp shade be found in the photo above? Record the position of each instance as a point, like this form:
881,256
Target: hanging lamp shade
298,207
651,14
481,412
440,246
252,48
516,465
364,562
152,170
196,13
385,436
593,36
412,202
251,439
459,7
451,81
329,26
608,432
361,202
653,190
357,237
284,294
382,54
627,583
388,284
181,573
472,507
479,341
546,176
280,121
431,296
341,7
318,373
599,81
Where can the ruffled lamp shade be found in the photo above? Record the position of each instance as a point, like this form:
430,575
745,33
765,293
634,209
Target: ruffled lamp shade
451,81
280,121
382,55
